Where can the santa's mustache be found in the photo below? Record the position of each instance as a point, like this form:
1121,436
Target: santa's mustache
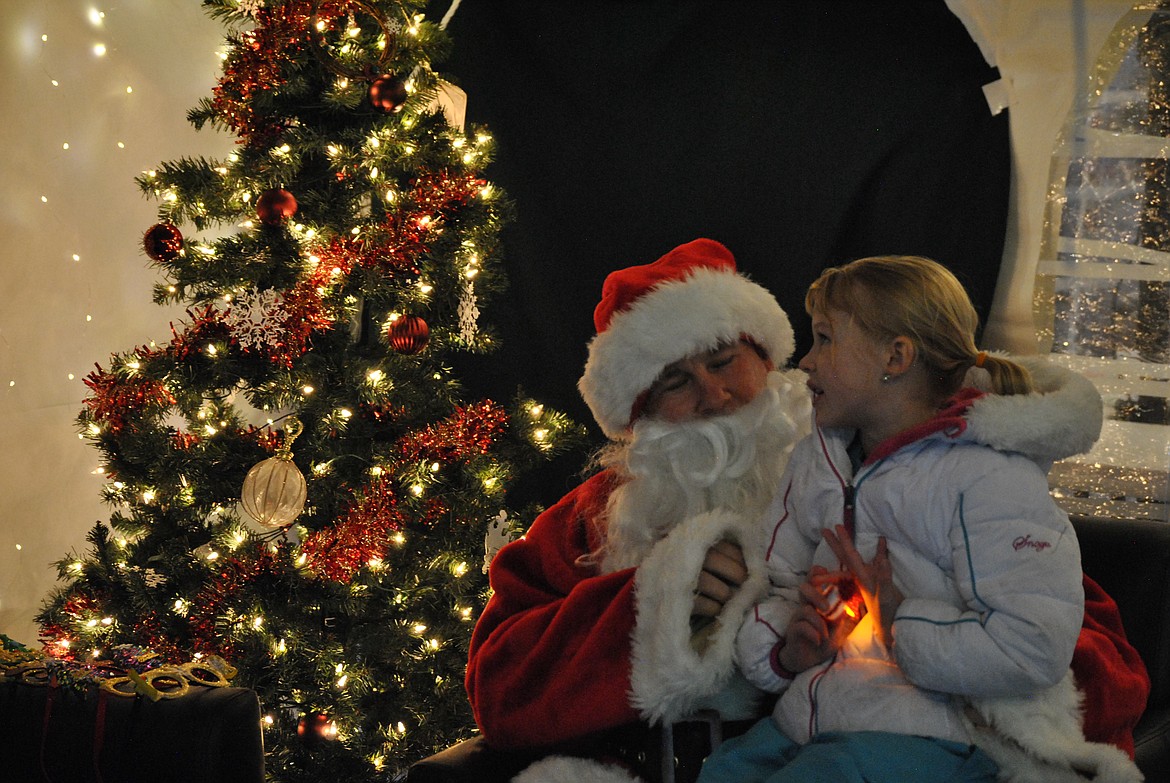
675,470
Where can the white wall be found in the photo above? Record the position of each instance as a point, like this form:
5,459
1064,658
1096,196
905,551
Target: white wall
58,316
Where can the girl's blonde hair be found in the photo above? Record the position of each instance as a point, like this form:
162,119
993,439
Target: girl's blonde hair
915,297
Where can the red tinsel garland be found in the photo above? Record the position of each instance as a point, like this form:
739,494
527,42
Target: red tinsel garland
256,64
395,245
338,552
440,193
469,432
118,402
206,327
227,589
79,607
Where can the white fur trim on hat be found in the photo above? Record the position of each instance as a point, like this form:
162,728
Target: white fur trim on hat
674,320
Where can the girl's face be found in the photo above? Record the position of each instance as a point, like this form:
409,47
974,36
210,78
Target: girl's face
844,369
708,384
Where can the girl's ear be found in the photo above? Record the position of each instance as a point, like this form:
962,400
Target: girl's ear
900,358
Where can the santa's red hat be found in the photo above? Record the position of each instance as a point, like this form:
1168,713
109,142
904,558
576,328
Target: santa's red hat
690,300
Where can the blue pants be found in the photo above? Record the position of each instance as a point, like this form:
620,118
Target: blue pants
764,755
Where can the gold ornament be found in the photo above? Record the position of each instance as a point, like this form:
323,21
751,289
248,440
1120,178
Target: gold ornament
274,490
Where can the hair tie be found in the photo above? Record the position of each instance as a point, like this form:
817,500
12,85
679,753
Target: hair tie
979,358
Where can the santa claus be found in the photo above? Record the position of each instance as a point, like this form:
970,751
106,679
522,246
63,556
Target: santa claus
619,608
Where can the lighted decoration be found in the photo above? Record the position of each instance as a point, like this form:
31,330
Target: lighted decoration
844,599
316,727
275,206
1102,300
408,334
163,242
363,533
387,93
320,23
274,490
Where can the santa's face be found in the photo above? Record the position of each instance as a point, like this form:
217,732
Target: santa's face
676,470
710,383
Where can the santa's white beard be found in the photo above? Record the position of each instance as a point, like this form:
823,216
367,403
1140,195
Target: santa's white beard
674,471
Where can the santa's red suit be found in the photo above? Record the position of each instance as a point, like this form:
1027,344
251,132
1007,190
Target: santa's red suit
567,650
561,652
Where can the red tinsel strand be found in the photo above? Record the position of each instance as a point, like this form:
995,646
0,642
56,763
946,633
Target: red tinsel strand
338,552
268,439
118,402
440,193
79,607
392,246
153,634
395,245
469,432
206,326
306,314
50,636
255,65
435,510
227,589
381,411
182,441
400,241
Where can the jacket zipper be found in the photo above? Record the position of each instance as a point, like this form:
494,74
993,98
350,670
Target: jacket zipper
847,512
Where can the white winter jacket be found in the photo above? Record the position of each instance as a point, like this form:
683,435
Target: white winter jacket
989,565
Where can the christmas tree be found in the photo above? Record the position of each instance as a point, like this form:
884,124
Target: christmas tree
299,482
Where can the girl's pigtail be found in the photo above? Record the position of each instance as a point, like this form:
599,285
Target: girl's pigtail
1007,377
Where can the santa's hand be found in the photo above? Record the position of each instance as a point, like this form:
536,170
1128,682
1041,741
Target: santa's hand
724,571
875,579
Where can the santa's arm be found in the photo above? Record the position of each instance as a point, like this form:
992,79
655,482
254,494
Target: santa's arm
673,671
550,656
1109,672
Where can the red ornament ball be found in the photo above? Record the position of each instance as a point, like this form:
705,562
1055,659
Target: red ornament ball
408,334
163,242
387,93
275,206
315,727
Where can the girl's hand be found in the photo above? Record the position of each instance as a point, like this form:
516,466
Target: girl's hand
875,579
811,638
808,640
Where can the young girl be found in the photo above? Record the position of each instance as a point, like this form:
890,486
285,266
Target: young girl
916,490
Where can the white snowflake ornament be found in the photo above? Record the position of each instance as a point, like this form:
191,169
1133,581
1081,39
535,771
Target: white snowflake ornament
257,318
250,7
497,536
468,314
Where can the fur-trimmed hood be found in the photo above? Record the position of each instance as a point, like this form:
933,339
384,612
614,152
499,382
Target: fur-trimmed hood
1060,419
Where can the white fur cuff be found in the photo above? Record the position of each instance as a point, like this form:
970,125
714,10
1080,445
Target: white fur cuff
568,769
669,677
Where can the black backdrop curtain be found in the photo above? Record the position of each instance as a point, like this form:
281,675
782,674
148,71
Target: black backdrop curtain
799,134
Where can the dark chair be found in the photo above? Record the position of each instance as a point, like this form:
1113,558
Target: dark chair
1130,559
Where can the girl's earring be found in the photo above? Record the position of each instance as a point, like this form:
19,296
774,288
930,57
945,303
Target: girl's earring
886,378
